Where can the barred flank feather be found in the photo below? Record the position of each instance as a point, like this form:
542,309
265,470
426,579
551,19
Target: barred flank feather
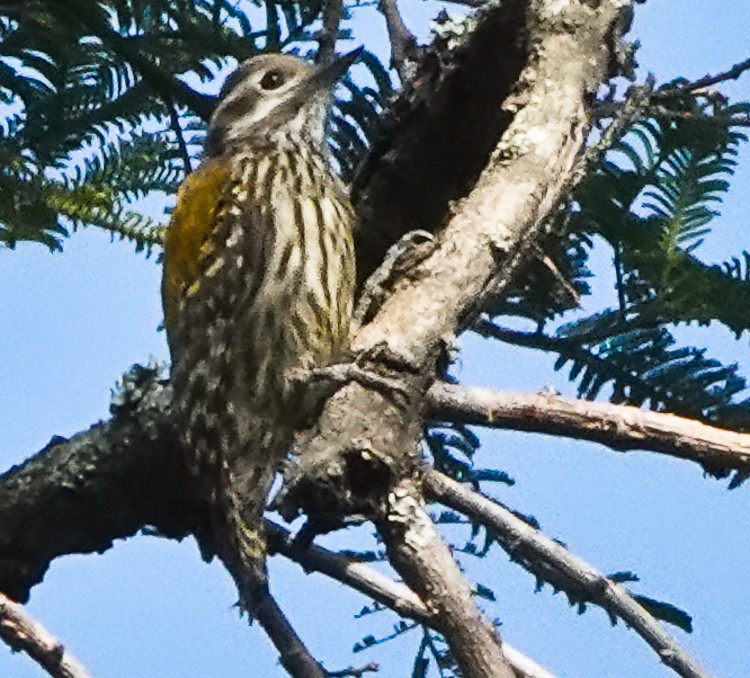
259,281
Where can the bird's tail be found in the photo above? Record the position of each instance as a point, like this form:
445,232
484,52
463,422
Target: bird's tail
239,536
246,560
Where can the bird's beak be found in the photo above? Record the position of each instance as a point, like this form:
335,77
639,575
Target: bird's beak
324,77
316,82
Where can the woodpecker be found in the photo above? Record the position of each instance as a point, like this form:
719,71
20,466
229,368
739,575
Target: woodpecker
258,282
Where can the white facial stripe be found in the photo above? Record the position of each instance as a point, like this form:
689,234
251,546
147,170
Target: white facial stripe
263,104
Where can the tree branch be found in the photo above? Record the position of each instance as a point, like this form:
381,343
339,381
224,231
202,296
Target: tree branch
167,85
362,458
469,3
78,495
619,427
523,666
354,671
24,634
358,576
419,555
31,496
510,116
329,31
523,542
523,182
293,654
403,42
174,123
732,73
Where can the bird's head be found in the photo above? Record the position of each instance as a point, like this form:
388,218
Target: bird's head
273,93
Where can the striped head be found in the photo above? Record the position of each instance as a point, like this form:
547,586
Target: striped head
274,93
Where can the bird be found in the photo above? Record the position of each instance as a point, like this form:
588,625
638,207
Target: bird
258,281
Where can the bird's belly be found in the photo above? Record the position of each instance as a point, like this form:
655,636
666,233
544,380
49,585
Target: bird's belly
288,331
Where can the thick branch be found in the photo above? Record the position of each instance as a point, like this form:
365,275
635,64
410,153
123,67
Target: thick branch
529,170
620,427
362,457
24,634
78,495
522,541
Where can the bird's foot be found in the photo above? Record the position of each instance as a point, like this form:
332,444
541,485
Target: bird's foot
400,259
333,377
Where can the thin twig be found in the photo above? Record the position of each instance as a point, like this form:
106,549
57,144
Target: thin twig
23,634
521,540
469,3
329,31
619,427
608,109
435,654
643,101
165,84
716,118
403,42
732,73
351,572
624,114
174,122
418,667
539,340
293,654
355,671
619,278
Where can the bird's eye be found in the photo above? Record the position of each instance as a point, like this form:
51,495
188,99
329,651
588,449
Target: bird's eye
272,80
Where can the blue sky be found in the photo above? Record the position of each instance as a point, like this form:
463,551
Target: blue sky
71,323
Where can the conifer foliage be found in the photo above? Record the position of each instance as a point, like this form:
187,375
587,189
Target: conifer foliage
104,103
